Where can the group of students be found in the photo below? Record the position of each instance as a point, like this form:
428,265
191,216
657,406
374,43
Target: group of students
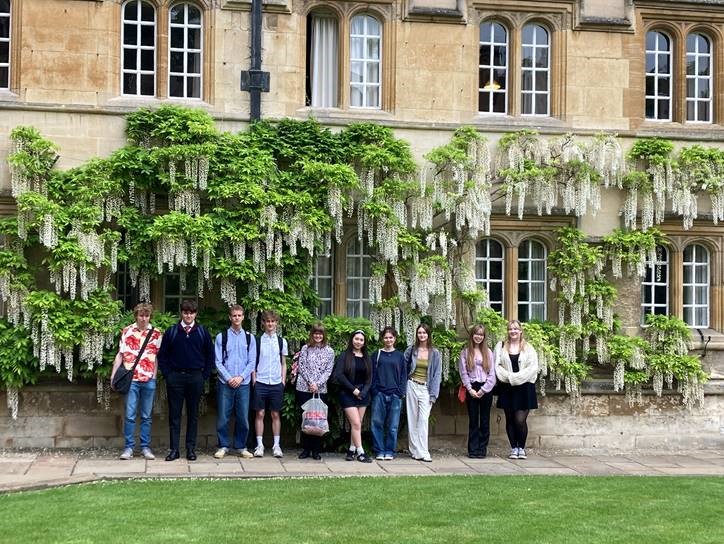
252,373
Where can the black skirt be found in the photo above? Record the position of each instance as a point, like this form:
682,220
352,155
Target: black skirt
517,397
348,400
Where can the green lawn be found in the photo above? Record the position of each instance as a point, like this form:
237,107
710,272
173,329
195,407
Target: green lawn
481,509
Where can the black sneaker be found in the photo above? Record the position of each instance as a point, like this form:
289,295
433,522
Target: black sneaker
364,458
351,455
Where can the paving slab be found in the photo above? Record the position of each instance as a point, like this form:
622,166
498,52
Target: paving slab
156,468
108,466
561,471
391,468
215,468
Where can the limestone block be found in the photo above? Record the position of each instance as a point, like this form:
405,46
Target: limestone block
444,425
556,442
74,442
610,442
595,44
95,426
673,442
23,427
30,442
108,442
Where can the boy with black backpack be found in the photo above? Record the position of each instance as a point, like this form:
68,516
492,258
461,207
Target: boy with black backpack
235,351
269,379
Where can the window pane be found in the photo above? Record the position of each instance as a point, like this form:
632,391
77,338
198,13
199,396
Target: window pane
4,27
499,33
688,315
527,80
373,97
147,85
193,87
527,59
147,12
650,62
537,271
486,32
541,58
484,102
177,61
177,14
700,295
663,109
129,84
499,78
703,88
373,26
358,24
650,85
357,48
496,270
147,59
373,49
194,63
536,250
523,291
499,56
357,72
537,292
701,274
691,87
663,64
373,72
541,81
523,313
177,38
701,317
194,15
499,102
194,36
496,292
660,294
129,34
650,108
129,59
356,96
484,58
528,34
147,35
4,77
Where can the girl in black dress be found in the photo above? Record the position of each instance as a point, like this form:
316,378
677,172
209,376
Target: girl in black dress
516,367
353,372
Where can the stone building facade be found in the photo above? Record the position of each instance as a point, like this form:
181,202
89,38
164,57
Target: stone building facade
74,68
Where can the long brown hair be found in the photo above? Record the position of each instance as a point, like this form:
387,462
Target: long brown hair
349,356
426,328
523,343
470,349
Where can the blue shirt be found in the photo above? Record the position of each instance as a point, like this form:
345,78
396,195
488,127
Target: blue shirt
390,373
239,361
269,369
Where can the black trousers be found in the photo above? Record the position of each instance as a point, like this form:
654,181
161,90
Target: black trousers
309,442
184,387
478,421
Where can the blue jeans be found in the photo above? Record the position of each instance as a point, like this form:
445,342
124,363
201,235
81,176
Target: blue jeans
236,400
385,417
139,397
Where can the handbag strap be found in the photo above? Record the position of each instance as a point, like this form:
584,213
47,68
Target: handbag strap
143,348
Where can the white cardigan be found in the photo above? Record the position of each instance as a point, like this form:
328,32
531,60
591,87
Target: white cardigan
527,365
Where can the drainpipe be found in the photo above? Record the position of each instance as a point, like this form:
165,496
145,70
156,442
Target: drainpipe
255,81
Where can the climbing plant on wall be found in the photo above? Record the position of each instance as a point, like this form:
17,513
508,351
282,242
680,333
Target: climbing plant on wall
245,214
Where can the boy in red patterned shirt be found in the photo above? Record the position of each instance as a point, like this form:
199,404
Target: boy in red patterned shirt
143,388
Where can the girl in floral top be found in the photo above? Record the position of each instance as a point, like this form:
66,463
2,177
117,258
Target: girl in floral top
143,386
316,361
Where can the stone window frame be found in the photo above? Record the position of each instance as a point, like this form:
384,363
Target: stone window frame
366,38
660,274
678,28
530,302
711,237
361,278
488,84
383,11
534,70
484,282
555,17
163,8
185,74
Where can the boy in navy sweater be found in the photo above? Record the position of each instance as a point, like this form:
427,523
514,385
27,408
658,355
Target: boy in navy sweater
185,359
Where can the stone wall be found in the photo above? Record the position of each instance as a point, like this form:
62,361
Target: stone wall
68,416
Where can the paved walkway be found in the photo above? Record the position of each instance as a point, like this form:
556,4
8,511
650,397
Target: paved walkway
20,470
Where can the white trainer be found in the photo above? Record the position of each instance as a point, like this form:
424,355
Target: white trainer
221,453
277,451
259,451
126,454
513,454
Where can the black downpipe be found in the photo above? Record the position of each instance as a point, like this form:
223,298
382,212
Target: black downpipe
256,29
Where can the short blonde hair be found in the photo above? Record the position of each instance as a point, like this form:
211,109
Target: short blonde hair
142,308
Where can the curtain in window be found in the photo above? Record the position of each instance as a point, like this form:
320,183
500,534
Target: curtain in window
324,62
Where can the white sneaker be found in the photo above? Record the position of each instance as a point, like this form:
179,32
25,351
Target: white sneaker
389,457
521,454
380,457
246,454
126,454
277,451
259,451
221,453
147,454
513,454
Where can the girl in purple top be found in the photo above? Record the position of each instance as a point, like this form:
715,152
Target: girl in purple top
477,373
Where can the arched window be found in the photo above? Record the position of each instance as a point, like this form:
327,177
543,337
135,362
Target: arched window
322,281
655,285
138,38
358,279
531,281
696,286
4,44
185,51
322,60
698,78
493,69
658,76
535,71
489,271
365,62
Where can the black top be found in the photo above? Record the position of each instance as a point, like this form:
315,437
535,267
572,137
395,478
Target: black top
357,379
514,362
180,351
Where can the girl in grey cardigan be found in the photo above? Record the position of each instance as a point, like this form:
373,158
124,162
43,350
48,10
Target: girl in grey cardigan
424,365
